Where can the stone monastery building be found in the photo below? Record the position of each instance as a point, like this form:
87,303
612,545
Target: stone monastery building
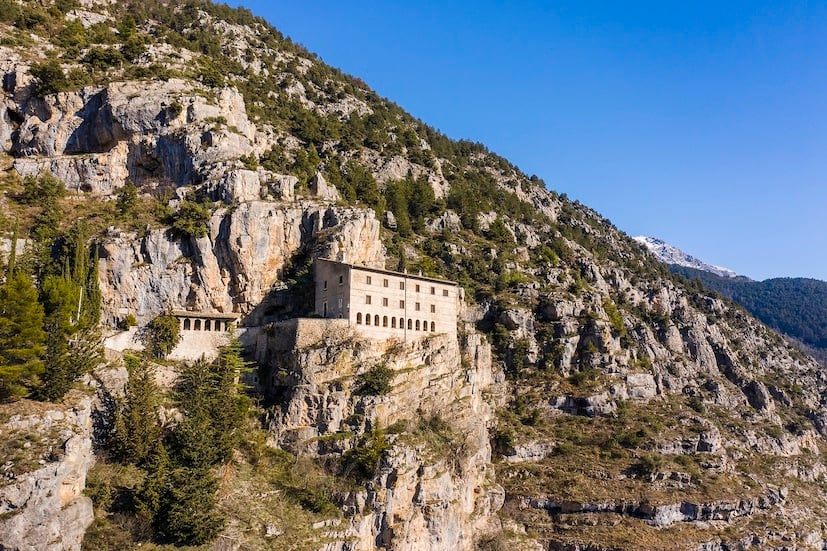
382,304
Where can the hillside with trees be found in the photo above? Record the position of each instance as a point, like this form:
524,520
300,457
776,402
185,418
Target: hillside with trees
796,307
168,156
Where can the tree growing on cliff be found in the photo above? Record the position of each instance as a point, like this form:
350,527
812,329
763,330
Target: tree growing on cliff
187,512
190,220
127,199
162,334
229,406
137,428
21,336
50,78
71,302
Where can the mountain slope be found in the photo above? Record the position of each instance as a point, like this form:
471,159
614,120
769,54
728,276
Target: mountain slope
669,254
633,409
794,306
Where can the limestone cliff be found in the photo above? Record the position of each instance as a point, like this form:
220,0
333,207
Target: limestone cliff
47,453
434,489
617,406
234,267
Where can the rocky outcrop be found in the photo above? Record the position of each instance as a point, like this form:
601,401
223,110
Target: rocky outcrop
424,497
235,267
96,138
44,508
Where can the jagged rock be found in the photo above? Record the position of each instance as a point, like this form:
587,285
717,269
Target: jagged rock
389,220
485,219
321,189
99,173
316,363
236,265
641,385
45,509
448,221
239,186
517,320
282,187
530,451
758,396
552,309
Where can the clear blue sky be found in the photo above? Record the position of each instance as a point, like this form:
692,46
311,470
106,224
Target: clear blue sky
702,123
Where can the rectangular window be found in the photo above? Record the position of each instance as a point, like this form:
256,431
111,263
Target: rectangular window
416,307
341,280
367,299
385,283
417,288
402,285
401,303
368,280
433,308
384,302
433,290
445,292
325,285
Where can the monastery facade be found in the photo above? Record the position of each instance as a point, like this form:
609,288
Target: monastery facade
382,304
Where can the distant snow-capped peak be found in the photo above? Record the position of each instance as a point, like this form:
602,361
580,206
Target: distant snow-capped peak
669,254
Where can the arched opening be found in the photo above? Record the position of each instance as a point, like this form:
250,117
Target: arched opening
376,320
359,318
424,325
197,326
417,325
187,324
433,327
393,323
367,319
384,321
410,324
207,325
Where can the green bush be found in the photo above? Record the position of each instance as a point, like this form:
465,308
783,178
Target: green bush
46,189
376,381
50,78
162,335
362,462
503,440
9,11
649,464
127,198
190,220
103,58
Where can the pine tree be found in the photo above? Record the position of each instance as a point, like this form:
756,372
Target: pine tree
72,306
187,514
162,334
127,199
229,406
58,296
152,493
21,336
137,427
194,439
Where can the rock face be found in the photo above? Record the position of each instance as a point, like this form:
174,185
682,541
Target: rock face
634,400
95,138
423,497
175,132
235,267
44,508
